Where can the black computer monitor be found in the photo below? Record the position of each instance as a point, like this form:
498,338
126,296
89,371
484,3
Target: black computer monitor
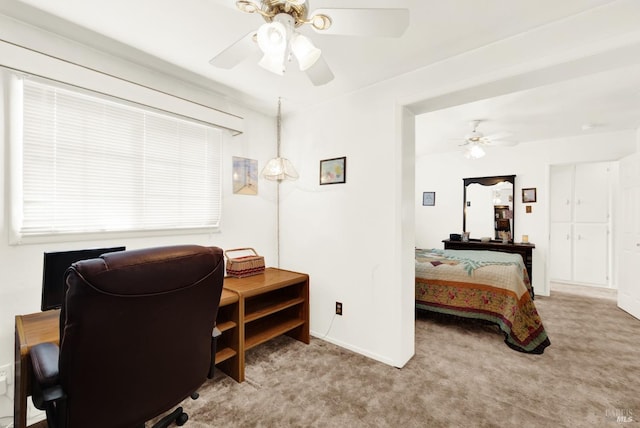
55,265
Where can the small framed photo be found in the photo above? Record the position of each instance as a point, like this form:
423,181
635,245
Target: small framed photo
333,171
529,195
428,199
245,176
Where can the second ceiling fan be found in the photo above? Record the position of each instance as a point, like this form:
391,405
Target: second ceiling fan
474,141
280,42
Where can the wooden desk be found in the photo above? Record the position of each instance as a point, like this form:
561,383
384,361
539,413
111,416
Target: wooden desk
31,330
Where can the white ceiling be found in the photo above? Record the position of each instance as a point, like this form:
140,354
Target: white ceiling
182,36
601,102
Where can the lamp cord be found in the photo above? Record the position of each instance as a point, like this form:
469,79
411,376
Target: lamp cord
278,223
278,125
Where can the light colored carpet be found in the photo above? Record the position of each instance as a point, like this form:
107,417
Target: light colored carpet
462,375
585,290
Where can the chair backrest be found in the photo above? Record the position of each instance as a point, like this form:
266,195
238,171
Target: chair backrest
136,332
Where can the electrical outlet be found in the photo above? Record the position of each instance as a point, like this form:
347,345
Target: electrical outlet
338,308
5,373
5,376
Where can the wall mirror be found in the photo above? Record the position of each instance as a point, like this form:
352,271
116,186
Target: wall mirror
488,207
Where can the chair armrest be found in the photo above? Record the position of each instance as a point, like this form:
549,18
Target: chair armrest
46,389
44,360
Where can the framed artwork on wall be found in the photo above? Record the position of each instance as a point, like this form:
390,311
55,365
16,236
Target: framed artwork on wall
333,171
245,176
528,195
428,199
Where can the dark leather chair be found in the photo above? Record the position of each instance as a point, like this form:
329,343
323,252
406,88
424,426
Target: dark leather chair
135,338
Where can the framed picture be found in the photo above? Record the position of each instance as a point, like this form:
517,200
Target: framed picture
245,176
529,195
333,171
428,199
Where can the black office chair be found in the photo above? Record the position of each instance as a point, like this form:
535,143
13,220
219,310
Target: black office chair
135,338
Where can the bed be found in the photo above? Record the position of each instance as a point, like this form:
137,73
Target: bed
481,285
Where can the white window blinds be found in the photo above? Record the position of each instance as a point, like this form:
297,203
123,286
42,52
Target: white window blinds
90,164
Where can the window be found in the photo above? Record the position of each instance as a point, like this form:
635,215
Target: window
91,164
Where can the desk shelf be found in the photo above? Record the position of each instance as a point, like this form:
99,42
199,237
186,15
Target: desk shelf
226,325
270,306
272,303
258,333
224,354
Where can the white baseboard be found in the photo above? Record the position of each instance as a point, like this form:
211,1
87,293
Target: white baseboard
355,349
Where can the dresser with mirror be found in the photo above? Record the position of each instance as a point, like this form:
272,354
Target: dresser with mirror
488,219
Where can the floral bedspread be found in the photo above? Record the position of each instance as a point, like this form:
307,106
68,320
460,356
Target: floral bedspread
486,285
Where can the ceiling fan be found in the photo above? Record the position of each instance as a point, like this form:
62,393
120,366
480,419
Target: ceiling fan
280,42
474,141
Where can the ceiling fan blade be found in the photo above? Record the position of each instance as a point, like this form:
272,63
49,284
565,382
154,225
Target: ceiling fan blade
226,3
320,73
502,143
235,53
498,136
365,22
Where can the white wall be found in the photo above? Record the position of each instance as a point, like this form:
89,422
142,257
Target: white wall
246,220
530,163
349,236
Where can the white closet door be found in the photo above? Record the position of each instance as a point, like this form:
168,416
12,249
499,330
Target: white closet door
560,257
628,289
590,253
561,194
630,221
579,214
629,254
591,192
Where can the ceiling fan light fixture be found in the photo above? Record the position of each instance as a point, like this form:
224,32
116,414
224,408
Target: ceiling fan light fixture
474,152
304,51
361,21
272,38
274,62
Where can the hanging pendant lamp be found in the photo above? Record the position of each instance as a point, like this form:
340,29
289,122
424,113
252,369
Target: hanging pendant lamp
279,168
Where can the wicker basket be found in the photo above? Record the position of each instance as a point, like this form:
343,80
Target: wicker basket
240,267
